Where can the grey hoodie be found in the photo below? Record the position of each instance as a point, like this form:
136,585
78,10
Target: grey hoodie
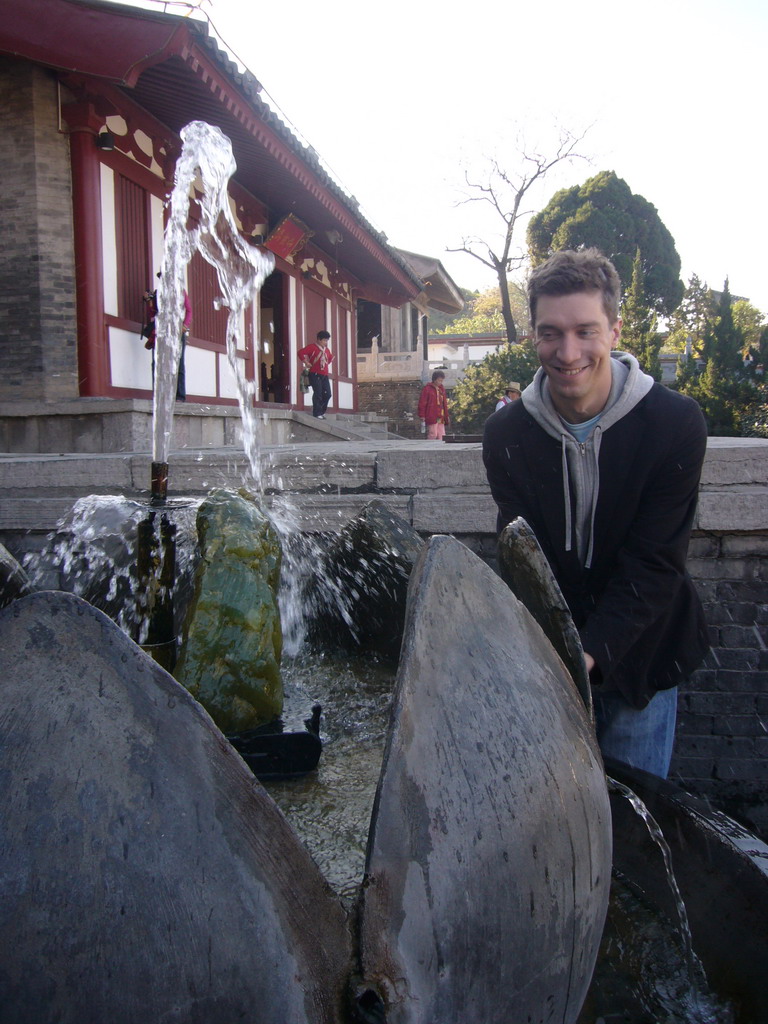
581,470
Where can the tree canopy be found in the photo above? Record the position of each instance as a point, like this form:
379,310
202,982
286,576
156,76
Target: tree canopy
638,333
605,213
692,319
731,397
483,313
440,323
475,397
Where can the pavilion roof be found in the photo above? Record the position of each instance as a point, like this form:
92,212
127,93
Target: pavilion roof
173,67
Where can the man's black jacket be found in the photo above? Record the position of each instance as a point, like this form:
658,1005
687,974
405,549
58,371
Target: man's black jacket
635,608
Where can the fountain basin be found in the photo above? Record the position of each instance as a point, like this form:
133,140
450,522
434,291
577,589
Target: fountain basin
722,872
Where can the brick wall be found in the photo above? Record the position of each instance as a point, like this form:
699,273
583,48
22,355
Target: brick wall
721,749
38,355
397,400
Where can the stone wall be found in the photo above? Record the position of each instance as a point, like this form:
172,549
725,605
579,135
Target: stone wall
38,354
721,750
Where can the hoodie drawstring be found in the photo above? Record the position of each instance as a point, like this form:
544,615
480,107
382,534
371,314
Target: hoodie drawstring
596,438
566,491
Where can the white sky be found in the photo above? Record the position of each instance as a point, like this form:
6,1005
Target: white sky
399,99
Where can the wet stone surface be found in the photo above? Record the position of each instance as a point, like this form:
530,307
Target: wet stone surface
232,642
144,873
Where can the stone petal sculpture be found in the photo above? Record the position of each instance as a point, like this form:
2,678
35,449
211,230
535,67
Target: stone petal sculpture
145,875
232,644
489,859
369,562
525,569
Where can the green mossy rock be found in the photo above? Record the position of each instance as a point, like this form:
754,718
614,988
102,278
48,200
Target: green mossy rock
230,657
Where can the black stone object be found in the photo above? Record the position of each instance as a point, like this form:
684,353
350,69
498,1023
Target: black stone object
271,753
369,563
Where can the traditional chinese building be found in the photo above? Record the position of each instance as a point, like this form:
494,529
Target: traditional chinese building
393,358
93,96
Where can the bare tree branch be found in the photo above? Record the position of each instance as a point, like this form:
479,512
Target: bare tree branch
504,191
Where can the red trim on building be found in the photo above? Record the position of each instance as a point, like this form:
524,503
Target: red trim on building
92,353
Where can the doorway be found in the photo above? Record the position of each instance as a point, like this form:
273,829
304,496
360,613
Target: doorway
272,362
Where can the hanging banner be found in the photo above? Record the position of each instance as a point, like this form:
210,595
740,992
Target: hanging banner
289,236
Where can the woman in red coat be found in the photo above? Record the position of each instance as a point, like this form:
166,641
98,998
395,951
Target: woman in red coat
433,407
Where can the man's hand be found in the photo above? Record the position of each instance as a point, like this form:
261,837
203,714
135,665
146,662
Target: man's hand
589,661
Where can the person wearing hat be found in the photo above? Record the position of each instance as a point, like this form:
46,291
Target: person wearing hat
511,394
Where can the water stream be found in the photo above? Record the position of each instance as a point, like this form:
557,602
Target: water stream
205,166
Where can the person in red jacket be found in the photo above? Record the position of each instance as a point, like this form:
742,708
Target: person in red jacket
433,407
316,358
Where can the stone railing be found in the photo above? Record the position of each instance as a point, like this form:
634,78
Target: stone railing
378,365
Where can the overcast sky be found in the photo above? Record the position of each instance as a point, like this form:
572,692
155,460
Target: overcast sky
400,99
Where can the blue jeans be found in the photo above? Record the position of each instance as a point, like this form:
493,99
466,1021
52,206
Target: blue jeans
321,392
643,739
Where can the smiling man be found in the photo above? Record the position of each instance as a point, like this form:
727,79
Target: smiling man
604,465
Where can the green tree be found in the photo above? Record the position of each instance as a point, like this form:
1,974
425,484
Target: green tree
474,398
718,381
485,313
755,420
439,323
638,333
692,319
505,189
750,322
723,342
605,213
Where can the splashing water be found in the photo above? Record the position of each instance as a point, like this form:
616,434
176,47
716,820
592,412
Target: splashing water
93,554
206,164
694,968
305,583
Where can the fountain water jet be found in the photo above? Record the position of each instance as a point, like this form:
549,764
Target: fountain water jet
206,162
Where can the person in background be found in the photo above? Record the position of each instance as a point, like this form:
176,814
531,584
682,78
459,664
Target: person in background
511,394
433,407
149,333
316,359
604,464
181,379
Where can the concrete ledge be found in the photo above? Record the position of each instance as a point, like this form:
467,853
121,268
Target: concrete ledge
442,487
735,460
736,508
101,426
458,514
431,464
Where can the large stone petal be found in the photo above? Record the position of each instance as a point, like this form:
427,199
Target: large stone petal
145,875
489,858
525,569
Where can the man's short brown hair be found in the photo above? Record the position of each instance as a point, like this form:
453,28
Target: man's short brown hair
570,271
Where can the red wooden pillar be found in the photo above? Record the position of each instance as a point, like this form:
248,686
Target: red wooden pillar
93,366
